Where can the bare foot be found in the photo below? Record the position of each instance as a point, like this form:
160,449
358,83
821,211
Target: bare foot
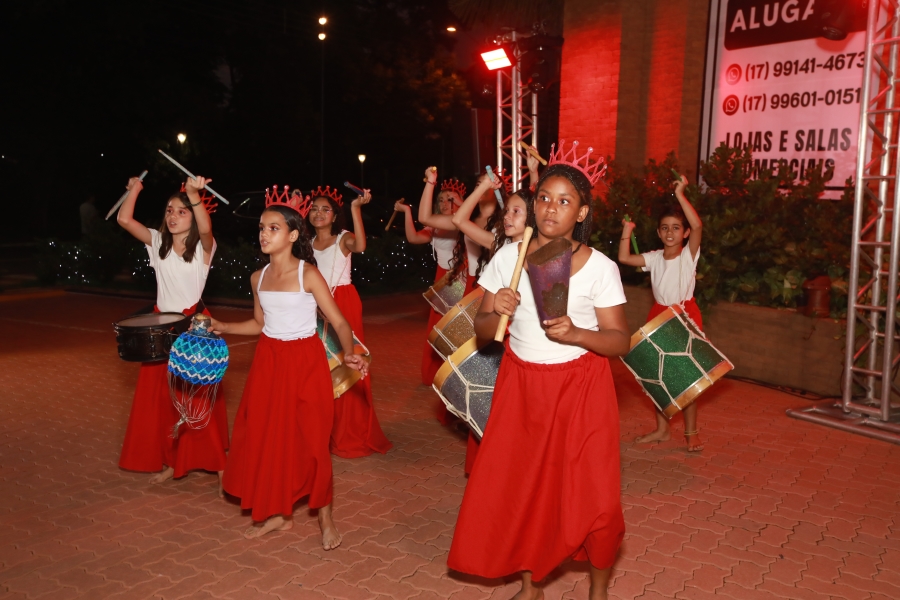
221,489
331,539
164,475
532,593
693,443
276,523
659,435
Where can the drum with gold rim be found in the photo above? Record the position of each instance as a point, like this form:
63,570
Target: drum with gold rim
445,293
342,376
465,382
457,326
674,361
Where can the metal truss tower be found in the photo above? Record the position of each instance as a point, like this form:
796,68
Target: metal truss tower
869,405
517,115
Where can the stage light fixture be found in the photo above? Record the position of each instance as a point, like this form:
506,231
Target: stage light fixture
496,59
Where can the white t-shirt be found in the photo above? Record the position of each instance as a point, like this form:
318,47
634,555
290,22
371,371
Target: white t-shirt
596,285
179,284
443,243
672,280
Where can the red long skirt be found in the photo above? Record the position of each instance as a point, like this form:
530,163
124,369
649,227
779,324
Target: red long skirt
690,307
431,360
546,483
356,431
149,445
279,448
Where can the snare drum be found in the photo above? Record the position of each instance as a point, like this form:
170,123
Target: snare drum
148,337
444,294
673,361
457,326
466,380
342,376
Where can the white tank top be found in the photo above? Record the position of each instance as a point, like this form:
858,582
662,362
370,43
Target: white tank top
332,264
289,315
473,251
443,243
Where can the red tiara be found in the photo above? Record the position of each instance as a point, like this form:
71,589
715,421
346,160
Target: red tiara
454,185
506,178
209,203
295,201
592,170
334,194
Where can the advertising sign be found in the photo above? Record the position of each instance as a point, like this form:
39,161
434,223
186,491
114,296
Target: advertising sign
776,85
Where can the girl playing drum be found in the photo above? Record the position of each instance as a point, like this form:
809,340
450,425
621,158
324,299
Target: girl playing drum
180,253
545,486
280,444
356,431
444,242
672,277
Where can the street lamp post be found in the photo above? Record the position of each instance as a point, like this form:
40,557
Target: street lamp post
322,22
362,180
181,138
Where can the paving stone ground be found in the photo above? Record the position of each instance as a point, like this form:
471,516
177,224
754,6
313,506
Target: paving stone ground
772,508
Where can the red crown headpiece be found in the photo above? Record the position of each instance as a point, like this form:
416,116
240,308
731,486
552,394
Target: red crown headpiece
208,200
454,185
506,178
592,170
334,194
295,201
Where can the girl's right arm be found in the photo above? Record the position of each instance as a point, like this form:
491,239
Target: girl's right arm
690,213
625,255
504,302
426,211
125,217
463,217
252,326
412,236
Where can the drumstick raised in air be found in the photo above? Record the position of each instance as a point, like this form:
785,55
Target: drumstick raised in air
192,176
113,210
393,216
514,282
532,151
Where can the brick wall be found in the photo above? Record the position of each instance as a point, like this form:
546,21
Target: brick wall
632,76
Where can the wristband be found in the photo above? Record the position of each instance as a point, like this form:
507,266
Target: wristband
198,204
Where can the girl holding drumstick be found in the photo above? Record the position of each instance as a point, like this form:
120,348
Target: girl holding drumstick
281,431
180,253
444,242
356,431
546,483
672,277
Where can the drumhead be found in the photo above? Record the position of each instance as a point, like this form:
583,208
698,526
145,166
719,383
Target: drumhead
151,319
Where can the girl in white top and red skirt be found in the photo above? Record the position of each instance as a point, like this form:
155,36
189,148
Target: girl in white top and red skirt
546,484
279,450
444,243
180,254
672,277
356,431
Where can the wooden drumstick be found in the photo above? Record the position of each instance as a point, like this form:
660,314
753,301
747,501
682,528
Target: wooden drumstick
393,216
532,151
514,282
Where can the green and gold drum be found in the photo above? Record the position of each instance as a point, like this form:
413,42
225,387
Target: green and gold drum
673,361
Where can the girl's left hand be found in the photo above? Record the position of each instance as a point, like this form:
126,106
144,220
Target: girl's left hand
195,185
680,185
357,363
364,199
562,330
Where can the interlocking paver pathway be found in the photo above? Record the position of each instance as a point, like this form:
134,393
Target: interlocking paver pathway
772,508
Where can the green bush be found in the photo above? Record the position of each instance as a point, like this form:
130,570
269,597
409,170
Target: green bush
763,235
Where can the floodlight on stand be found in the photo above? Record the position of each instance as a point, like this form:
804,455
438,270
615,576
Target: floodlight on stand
496,59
